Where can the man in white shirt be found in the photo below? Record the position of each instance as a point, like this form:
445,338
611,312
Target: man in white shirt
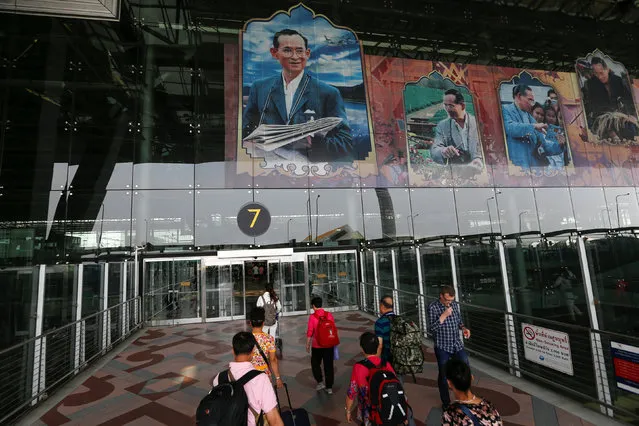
294,97
456,137
259,390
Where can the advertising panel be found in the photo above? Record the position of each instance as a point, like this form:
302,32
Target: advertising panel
547,347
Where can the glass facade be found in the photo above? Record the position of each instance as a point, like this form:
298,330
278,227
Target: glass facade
117,137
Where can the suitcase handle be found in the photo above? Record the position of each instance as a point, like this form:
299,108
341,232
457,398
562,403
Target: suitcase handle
288,397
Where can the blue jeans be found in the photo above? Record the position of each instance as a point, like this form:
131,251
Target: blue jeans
442,359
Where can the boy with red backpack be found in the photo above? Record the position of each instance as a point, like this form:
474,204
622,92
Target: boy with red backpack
321,334
380,395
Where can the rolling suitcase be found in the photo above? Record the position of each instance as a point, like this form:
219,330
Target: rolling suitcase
297,417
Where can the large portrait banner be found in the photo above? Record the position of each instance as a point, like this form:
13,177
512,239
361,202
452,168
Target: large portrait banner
608,104
443,134
534,130
303,101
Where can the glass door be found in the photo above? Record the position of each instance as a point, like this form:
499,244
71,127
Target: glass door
172,289
256,278
333,277
293,288
224,283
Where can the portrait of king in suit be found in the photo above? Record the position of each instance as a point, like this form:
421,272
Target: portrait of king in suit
296,96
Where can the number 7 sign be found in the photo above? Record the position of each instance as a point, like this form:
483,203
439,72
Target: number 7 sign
253,219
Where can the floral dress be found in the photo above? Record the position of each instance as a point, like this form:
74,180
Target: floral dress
484,411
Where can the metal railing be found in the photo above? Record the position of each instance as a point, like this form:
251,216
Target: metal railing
31,370
498,338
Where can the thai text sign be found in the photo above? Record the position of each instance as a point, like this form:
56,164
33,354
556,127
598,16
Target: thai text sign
547,347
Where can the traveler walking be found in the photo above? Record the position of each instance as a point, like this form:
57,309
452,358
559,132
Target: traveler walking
241,395
272,308
400,341
264,358
444,319
373,382
467,406
321,339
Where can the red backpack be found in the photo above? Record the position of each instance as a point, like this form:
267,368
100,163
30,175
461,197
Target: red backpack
327,336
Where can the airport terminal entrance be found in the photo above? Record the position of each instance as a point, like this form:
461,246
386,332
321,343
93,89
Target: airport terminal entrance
227,286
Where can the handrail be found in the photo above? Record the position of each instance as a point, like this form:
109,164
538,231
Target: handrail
53,364
61,328
582,387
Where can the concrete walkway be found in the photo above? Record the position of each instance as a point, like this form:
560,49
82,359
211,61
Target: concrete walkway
161,376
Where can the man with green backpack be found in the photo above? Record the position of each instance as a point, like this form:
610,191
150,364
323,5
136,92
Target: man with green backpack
401,342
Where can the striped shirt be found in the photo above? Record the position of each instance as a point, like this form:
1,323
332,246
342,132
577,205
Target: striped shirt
383,330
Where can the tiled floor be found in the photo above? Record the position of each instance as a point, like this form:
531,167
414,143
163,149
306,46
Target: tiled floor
160,378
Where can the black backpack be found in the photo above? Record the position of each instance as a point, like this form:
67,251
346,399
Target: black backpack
386,395
227,404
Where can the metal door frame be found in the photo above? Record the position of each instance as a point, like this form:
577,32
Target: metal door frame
234,257
174,321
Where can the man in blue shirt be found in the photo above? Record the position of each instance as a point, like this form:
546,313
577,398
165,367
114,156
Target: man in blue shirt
522,131
444,320
383,326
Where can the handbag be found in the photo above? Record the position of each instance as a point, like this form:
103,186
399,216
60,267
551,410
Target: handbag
335,352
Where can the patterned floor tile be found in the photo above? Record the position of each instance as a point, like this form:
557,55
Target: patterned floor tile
161,377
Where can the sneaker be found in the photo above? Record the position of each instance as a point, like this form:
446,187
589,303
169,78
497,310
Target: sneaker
329,391
319,386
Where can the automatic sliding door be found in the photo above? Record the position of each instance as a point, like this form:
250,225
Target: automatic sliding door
237,278
224,290
218,291
257,276
293,286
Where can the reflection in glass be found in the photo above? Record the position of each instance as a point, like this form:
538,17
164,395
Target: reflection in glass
554,209
590,207
477,211
17,306
434,212
163,217
216,217
623,207
436,269
292,286
613,271
336,215
334,278
517,211
387,213
289,215
385,268
172,289
480,284
545,279
407,276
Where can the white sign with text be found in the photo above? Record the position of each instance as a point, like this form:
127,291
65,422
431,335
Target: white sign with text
547,347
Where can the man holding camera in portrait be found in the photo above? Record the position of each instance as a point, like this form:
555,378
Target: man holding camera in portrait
456,137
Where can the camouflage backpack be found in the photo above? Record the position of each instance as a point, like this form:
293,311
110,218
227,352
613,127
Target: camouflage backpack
406,346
